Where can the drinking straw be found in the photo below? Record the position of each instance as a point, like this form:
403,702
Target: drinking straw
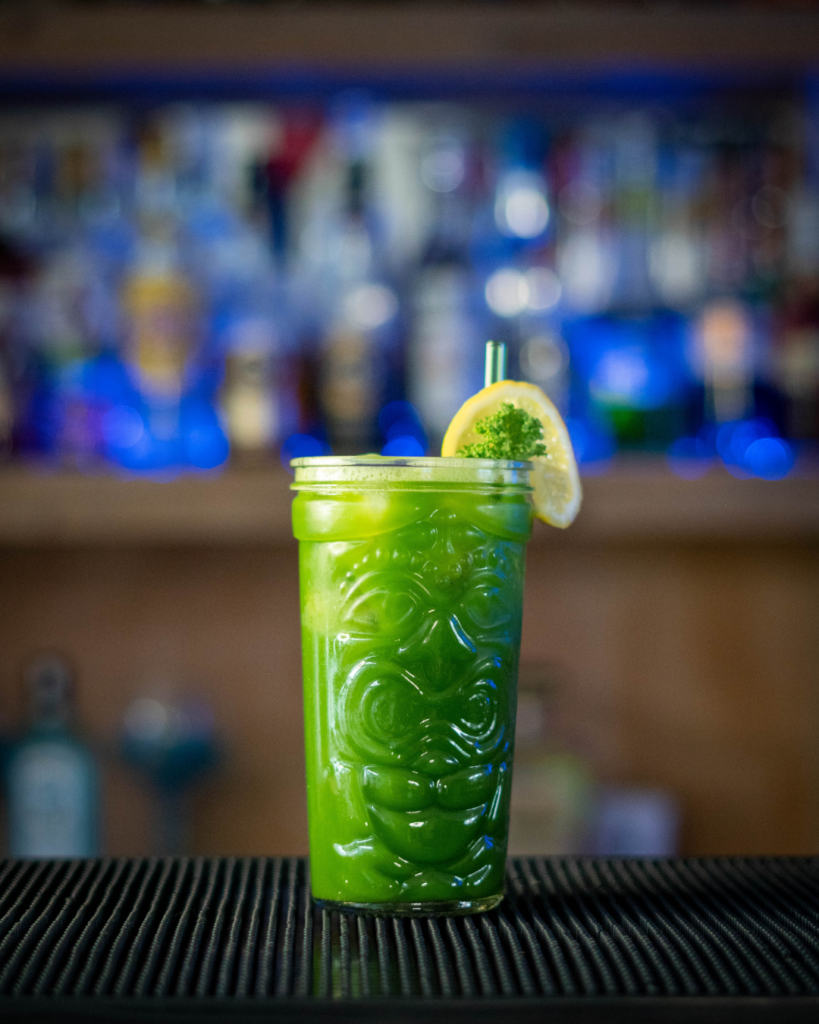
495,367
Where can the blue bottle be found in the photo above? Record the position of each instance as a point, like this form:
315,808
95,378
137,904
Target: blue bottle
51,776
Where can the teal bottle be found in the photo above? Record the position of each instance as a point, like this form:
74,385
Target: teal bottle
51,775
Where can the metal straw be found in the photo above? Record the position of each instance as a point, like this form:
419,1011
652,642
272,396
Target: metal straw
495,367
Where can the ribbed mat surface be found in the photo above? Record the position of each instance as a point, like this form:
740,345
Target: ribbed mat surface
245,928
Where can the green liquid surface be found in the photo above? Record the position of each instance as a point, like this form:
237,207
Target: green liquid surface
411,602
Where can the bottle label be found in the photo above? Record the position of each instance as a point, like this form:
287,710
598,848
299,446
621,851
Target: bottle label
51,796
161,311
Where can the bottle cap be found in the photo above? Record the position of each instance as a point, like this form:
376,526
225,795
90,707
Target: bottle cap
49,683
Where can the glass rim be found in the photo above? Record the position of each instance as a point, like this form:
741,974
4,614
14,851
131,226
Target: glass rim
410,461
376,471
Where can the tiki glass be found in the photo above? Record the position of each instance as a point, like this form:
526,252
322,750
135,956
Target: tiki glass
411,577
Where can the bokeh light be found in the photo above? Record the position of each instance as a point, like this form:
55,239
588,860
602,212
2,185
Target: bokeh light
543,289
301,446
370,306
507,292
444,168
400,424
690,457
521,209
405,446
770,458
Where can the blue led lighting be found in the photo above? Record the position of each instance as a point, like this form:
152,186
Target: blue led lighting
753,448
404,447
690,457
301,446
770,458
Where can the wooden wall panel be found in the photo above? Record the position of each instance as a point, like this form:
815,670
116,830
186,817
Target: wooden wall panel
684,666
223,622
695,669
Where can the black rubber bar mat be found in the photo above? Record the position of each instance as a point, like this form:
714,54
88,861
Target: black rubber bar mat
575,940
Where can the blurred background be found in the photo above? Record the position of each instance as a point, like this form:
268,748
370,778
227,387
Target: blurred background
236,233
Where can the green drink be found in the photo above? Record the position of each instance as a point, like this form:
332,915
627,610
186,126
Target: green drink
411,595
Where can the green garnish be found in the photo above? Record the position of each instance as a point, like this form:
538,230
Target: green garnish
509,433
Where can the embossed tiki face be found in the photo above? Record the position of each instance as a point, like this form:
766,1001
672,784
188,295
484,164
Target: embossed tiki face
431,623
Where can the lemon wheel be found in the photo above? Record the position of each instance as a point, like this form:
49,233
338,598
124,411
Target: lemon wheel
555,480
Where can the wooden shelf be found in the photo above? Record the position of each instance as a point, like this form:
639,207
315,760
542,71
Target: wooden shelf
47,41
642,500
636,501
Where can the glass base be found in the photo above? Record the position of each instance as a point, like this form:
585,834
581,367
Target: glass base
427,908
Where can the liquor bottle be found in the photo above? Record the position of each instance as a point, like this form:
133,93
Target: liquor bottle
552,800
249,398
6,411
725,360
68,310
511,241
446,338
159,305
231,379
677,257
635,166
13,271
51,775
522,210
359,346
524,291
796,362
63,342
634,375
727,213
586,244
796,346
273,173
171,744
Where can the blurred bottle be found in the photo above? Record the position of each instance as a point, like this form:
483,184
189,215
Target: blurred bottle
770,187
522,209
274,172
14,269
725,360
796,362
359,349
726,214
159,305
158,302
350,373
553,785
156,263
677,256
586,249
631,376
249,398
232,380
635,823
522,292
796,352
172,744
634,202
6,410
446,338
66,307
544,360
51,775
